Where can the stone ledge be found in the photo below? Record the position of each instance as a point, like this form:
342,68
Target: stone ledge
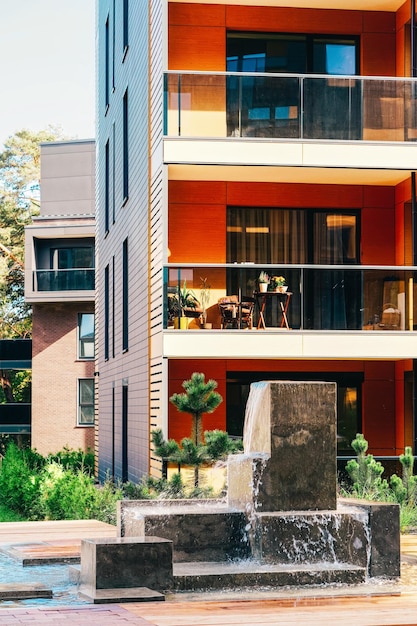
22,591
134,594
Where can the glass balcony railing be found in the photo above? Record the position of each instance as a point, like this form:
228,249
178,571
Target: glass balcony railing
318,297
64,280
290,106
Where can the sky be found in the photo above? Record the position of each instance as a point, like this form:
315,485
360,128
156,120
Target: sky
47,66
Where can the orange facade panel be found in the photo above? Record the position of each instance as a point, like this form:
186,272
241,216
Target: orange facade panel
379,22
294,195
184,14
200,192
201,48
180,370
378,54
378,236
288,20
197,231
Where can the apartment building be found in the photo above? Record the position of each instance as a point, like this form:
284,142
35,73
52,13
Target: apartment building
239,137
60,286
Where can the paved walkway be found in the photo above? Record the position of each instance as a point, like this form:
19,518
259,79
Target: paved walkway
371,606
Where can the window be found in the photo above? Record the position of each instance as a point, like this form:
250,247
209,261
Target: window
77,257
275,235
317,108
107,64
106,187
86,336
292,53
113,199
125,26
125,148
113,309
125,298
85,402
125,430
106,312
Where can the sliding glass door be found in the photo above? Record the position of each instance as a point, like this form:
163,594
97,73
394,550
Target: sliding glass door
277,236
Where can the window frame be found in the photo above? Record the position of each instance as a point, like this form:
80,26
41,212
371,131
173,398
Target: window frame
81,404
80,341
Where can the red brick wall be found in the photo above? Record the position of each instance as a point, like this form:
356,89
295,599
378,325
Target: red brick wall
55,372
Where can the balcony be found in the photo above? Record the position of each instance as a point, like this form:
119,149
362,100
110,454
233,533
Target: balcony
333,311
64,280
321,297
290,106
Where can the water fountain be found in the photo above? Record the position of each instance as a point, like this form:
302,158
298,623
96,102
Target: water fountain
281,524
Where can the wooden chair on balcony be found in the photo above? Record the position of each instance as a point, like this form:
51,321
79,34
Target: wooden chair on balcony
235,313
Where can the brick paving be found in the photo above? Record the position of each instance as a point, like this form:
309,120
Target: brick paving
109,615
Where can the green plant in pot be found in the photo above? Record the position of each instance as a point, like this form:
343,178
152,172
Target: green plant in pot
182,304
205,300
263,281
277,283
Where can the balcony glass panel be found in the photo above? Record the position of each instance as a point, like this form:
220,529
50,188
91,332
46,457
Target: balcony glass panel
290,106
318,297
64,280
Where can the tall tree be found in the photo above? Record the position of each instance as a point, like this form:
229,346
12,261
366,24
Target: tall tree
19,202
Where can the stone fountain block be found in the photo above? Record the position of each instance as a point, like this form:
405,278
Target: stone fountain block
199,532
307,537
290,427
383,523
115,563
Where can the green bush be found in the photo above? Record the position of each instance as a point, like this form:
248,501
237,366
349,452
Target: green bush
60,486
74,459
20,480
65,494
365,473
367,483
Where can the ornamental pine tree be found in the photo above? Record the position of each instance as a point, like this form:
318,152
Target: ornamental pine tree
199,398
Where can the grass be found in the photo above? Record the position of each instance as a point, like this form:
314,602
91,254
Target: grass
6,515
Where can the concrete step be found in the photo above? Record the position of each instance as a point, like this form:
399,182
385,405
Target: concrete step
132,594
207,576
22,591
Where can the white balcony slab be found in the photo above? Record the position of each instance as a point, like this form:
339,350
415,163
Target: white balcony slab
289,344
358,155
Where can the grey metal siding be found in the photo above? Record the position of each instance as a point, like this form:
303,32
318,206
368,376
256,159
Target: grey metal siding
131,220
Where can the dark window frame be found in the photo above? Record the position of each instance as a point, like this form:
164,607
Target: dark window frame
125,296
83,341
82,405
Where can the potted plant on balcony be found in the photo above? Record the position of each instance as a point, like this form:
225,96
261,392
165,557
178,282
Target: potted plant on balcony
181,305
204,300
263,281
277,283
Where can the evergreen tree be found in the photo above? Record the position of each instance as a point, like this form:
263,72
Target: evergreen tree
200,397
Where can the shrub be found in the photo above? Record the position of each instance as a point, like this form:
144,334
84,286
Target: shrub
20,480
74,459
366,473
65,494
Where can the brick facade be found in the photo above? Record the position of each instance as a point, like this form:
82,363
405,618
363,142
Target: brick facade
56,370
